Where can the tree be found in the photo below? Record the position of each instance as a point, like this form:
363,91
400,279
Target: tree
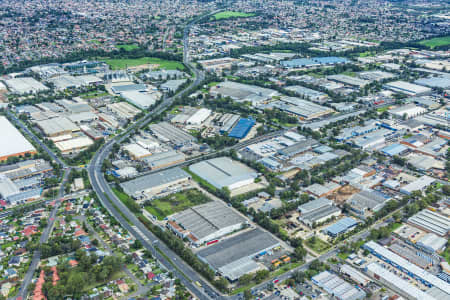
446,190
245,279
300,252
248,295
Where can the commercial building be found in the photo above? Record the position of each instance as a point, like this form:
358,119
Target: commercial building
169,133
367,201
418,185
405,266
119,89
150,185
242,128
341,226
396,283
164,159
208,222
233,257
298,148
337,287
442,82
25,85
313,62
317,211
12,142
74,145
407,88
431,221
224,172
25,169
172,85
217,64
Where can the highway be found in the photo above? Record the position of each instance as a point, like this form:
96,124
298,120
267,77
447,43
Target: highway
126,218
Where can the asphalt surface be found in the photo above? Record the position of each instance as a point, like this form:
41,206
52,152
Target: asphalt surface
23,290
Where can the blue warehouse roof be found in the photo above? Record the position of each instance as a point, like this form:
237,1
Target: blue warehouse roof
341,226
330,60
394,149
242,128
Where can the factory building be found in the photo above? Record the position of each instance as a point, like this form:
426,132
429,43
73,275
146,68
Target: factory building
337,287
57,126
233,257
242,128
199,116
74,145
308,93
349,80
354,275
367,201
19,147
224,172
322,190
407,88
431,221
407,111
432,243
150,185
25,85
164,159
136,151
169,133
418,185
305,110
317,211
405,266
396,283
208,222
340,227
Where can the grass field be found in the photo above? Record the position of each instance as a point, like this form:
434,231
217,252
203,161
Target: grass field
317,244
231,14
434,42
171,204
122,63
127,47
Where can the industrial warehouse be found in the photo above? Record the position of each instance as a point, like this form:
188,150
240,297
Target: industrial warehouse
317,211
399,262
234,257
207,222
21,145
338,287
148,186
224,172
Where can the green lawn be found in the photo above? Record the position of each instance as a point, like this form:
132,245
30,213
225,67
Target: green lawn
382,109
446,254
317,244
177,202
127,47
123,63
231,14
434,42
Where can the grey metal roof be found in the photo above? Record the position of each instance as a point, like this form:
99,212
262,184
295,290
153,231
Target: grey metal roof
149,181
222,171
206,219
235,248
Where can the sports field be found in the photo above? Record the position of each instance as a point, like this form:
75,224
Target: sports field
127,47
434,42
122,63
231,14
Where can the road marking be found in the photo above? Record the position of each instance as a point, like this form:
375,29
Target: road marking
145,238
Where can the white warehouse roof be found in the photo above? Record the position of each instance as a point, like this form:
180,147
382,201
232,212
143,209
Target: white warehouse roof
10,133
